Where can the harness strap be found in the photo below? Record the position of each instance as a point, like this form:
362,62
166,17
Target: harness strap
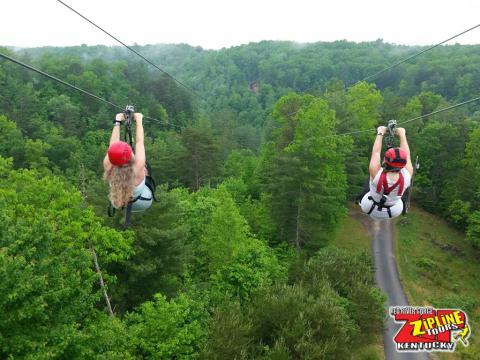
128,211
140,197
384,189
150,181
110,210
380,205
128,215
373,205
383,183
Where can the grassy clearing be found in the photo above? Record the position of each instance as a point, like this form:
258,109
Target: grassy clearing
439,268
352,235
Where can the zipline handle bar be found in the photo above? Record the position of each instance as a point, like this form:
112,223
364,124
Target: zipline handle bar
129,111
392,128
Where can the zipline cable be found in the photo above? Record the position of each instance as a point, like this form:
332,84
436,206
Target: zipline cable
163,122
364,79
440,110
417,117
29,67
401,61
18,62
417,54
193,92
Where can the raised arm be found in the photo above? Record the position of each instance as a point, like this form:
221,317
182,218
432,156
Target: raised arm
376,158
140,158
113,138
404,145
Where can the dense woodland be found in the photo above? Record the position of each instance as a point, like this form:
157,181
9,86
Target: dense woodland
235,260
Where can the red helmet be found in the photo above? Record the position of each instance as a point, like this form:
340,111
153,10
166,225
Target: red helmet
395,159
119,153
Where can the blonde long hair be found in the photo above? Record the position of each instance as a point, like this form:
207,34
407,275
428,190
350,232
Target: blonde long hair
122,181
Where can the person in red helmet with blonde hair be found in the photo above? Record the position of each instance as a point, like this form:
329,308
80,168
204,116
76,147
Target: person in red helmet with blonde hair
382,198
126,171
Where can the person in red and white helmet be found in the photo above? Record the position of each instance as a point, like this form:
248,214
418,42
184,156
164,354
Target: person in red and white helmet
382,198
126,171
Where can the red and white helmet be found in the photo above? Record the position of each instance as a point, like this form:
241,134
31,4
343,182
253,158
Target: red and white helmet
119,153
395,159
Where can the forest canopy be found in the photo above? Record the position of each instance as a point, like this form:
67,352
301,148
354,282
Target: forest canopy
236,258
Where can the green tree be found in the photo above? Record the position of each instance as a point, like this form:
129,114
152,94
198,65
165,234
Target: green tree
439,164
64,113
226,232
47,280
284,321
362,106
228,258
473,230
243,164
163,329
361,111
252,267
303,170
351,276
164,155
13,143
200,161
102,337
160,254
35,154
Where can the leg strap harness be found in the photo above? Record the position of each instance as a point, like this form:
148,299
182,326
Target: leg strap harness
384,189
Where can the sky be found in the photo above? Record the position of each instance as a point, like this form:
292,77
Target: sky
214,24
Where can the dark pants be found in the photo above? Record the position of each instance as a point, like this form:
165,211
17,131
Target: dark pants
365,190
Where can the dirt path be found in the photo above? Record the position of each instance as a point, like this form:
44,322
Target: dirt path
387,278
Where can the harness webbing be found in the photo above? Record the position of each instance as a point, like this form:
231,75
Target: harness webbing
380,205
383,184
129,110
384,189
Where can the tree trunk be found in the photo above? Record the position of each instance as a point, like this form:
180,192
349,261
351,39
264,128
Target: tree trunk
196,172
102,283
197,181
297,230
83,191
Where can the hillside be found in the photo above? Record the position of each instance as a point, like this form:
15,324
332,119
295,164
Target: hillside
439,268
